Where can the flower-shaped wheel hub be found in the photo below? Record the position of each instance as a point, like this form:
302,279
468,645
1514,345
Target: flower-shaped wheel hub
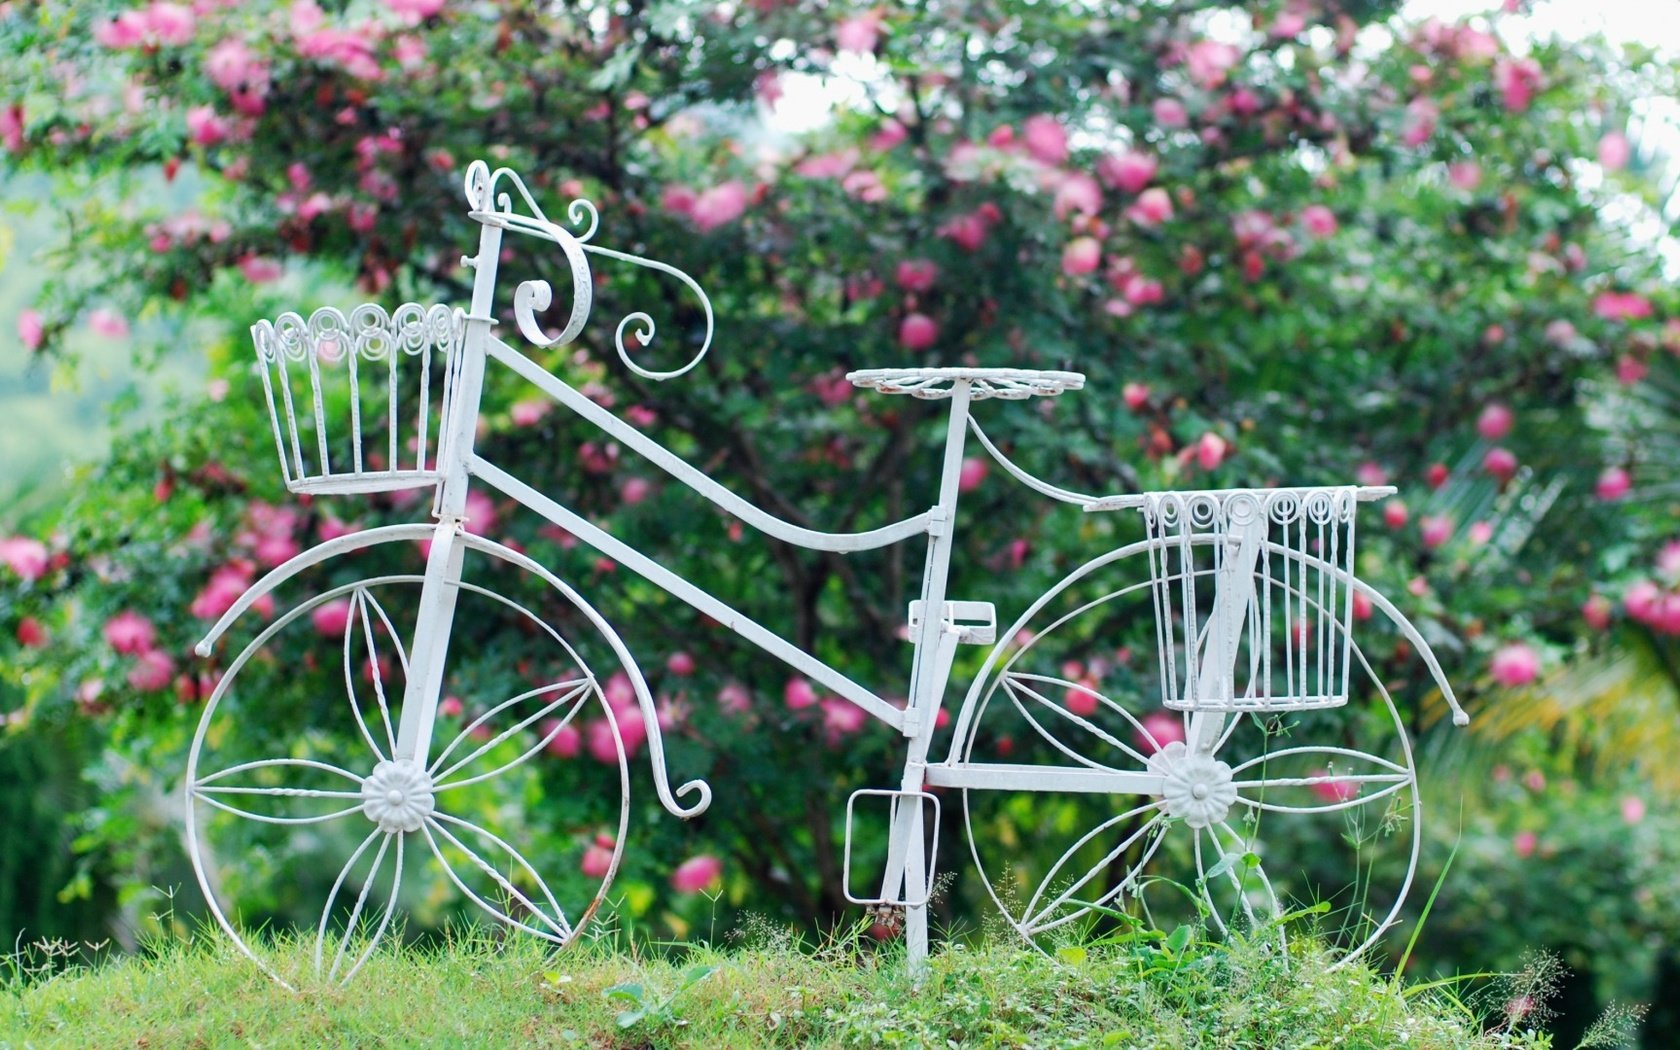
1195,786
397,796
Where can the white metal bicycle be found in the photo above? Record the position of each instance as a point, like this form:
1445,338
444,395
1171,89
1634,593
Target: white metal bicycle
1251,593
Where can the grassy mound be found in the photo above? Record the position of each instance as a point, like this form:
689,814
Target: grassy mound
1171,992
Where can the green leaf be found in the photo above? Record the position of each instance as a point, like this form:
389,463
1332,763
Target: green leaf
1072,954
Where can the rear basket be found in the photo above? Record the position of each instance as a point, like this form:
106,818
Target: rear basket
374,389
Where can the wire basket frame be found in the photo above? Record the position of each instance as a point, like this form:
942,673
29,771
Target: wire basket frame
374,389
1253,603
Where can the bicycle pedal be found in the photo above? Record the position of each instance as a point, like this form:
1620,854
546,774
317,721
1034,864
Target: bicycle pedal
895,879
975,622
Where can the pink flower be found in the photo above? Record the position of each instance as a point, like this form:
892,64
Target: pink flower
1630,370
1361,606
1641,600
1046,139
972,474
1597,611
597,860
720,205
11,127
224,588
1210,451
30,330
678,199
1077,193
1501,463
528,413
841,717
1479,532
632,730
917,275
1143,291
798,694
1135,395
634,491
917,332
480,513
1170,113
1517,80
1523,845
620,693
1465,174
1436,475
1621,306
129,632
1081,256
1436,530
231,66
153,671
1287,24
1613,484
1395,514
30,633
696,873
25,556
1421,117
331,619
768,87
170,25
124,31
1514,664
415,10
1494,422
108,323
860,33
564,741
1633,809
1319,221
1534,780
1157,729
450,706
1614,151
205,127
1152,207
259,269
1333,789
1370,473
733,699
1128,172
1209,61
968,232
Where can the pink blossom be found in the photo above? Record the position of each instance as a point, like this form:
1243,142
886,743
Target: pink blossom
1209,61
231,66
11,127
1641,600
1157,729
841,717
892,133
415,10
1534,780
917,275
410,50
798,694
1614,151
1630,370
1152,207
1523,845
1633,809
632,730
1479,532
1370,473
1143,291
1514,664
1286,25
1210,451
1501,463
1621,306
972,474
1077,193
720,205
1170,113
153,671
205,127
1319,221
564,741
1666,617
1081,256
917,332
619,693
1668,560
124,31
480,513
1421,117
860,33
967,231
1613,484
678,199
1597,611
25,556
1046,139
1395,515
225,586
30,329
108,323
866,186
634,491
331,619
1517,80
733,699
1361,606
696,873
528,413
129,632
1135,395
1465,174
170,25
1436,530
30,633
349,49
259,269
1081,699
1128,172
450,707
597,861
1331,789
1494,422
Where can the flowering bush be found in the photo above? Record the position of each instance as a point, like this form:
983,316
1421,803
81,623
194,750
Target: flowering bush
1289,242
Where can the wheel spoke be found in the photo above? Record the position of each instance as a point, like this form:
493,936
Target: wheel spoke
212,790
358,619
576,692
1309,781
1066,895
558,932
1014,685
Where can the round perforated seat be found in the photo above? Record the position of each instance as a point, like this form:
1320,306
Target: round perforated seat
931,384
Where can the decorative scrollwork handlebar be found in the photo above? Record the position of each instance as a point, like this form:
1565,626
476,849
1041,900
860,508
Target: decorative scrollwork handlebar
533,296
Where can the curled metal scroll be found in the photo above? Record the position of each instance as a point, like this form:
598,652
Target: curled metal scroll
533,296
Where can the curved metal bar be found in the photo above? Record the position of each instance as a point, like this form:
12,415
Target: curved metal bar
1078,499
695,479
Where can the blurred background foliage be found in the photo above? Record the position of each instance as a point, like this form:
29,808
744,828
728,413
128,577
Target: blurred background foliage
1309,241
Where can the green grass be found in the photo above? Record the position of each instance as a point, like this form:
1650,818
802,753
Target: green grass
1177,992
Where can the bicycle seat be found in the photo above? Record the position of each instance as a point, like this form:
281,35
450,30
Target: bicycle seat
931,384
